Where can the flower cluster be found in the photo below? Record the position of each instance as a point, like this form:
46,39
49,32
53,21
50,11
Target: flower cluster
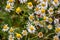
43,22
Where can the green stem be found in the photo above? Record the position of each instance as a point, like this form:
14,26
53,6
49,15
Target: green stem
34,37
25,37
48,35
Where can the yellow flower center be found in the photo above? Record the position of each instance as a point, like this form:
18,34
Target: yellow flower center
25,32
56,1
11,37
31,28
8,6
41,23
49,26
5,26
44,0
31,17
48,0
51,10
42,10
11,1
30,4
56,38
37,9
44,17
40,34
18,35
57,30
11,30
50,19
18,10
43,4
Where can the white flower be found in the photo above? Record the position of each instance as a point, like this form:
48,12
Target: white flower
56,21
36,23
50,11
55,3
31,17
43,11
18,36
40,34
5,28
45,18
55,37
49,26
44,5
24,32
31,29
23,1
9,7
11,2
30,5
37,10
11,37
57,30
50,20
11,30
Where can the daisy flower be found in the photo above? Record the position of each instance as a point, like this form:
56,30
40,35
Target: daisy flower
43,12
5,28
45,18
57,29
44,5
40,34
18,36
11,2
30,5
49,26
36,23
23,1
24,32
55,37
18,10
37,10
9,8
11,37
50,20
31,29
50,11
31,17
55,3
11,30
